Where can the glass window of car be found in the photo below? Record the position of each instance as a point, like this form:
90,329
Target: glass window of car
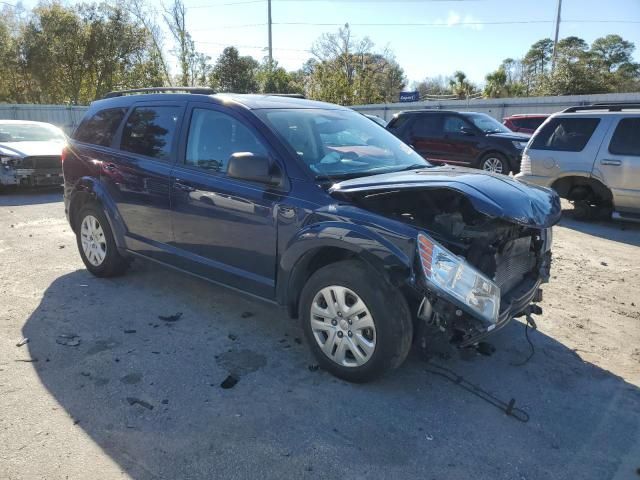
487,124
568,134
30,132
340,143
454,124
626,138
150,131
397,122
215,136
101,127
426,125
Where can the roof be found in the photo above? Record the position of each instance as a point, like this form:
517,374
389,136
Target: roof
249,101
528,115
428,110
24,122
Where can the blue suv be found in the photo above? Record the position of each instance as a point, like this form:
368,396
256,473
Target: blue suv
311,206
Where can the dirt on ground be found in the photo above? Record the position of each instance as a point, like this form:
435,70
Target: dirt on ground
157,375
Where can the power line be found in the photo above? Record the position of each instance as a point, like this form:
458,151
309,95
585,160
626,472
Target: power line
445,24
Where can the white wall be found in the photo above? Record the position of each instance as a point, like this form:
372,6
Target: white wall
500,107
65,117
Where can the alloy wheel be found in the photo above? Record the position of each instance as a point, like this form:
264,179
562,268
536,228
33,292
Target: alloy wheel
492,164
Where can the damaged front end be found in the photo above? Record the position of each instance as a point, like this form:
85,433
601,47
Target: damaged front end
475,270
30,171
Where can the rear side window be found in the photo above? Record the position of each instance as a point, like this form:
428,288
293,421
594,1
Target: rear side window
425,125
565,134
101,127
626,138
396,123
150,131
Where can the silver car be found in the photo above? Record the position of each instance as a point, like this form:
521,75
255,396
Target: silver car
591,156
30,153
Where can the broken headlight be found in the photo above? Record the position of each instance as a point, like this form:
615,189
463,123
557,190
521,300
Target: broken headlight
452,275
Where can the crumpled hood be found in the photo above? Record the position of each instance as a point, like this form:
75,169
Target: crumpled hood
495,195
31,149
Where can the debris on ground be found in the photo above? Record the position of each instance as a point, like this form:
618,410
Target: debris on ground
604,264
68,340
27,360
22,342
137,401
165,402
130,331
232,337
246,314
171,318
229,382
298,340
313,368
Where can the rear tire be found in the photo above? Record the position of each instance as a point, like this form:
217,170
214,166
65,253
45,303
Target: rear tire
96,244
368,329
494,163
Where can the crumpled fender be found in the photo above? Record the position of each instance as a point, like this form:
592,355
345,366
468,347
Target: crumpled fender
368,244
98,192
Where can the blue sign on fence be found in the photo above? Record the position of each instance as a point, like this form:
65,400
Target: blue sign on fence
409,96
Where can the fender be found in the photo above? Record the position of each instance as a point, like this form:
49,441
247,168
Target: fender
364,242
98,192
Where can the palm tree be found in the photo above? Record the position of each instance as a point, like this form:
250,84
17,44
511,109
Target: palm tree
496,86
460,86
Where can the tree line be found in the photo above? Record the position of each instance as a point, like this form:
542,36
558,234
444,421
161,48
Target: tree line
62,54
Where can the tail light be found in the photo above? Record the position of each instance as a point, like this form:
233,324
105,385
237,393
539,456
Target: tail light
64,154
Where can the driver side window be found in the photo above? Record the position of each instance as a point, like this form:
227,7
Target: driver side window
454,124
215,136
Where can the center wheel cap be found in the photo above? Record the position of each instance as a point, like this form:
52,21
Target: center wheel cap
344,325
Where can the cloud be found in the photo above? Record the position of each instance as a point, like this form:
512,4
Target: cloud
468,21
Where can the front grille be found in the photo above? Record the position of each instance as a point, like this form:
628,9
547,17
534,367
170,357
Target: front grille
37,163
513,263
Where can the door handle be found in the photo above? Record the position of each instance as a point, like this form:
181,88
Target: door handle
608,161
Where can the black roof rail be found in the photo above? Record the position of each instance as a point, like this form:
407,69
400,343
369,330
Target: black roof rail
610,107
289,95
195,90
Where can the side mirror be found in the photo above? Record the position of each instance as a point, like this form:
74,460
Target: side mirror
468,131
253,168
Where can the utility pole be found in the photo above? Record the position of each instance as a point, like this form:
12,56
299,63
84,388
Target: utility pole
269,22
555,40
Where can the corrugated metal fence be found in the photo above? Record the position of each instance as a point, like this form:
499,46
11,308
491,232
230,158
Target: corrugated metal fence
501,107
68,117
65,117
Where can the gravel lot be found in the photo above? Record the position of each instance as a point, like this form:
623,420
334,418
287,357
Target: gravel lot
104,389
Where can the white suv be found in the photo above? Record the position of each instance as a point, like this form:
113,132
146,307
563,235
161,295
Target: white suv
591,156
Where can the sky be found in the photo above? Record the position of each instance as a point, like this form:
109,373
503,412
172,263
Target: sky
428,37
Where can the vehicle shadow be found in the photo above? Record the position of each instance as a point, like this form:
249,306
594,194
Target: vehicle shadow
147,391
14,197
618,231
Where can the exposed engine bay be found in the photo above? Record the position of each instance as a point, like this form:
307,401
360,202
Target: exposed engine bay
515,257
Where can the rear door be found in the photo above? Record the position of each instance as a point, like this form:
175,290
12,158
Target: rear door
618,163
424,134
139,174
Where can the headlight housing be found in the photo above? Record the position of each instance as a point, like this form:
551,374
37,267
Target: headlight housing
519,145
453,276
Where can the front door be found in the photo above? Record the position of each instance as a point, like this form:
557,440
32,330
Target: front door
461,140
224,228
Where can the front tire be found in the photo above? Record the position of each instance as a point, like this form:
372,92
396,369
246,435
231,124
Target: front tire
357,325
494,163
96,244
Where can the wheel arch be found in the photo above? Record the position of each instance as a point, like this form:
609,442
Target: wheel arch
581,187
88,190
315,248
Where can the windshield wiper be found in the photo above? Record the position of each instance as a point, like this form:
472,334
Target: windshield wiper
415,166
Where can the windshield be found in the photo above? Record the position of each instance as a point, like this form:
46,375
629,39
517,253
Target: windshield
487,124
341,143
29,132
